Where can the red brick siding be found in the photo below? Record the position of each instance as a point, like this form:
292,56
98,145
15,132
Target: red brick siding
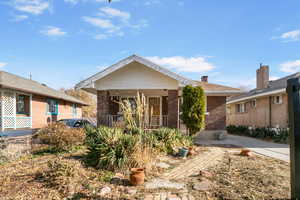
173,109
216,119
40,117
102,107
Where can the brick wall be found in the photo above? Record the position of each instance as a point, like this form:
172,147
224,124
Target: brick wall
259,116
216,107
102,107
40,117
173,109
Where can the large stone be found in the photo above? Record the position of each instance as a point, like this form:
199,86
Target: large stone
105,190
163,183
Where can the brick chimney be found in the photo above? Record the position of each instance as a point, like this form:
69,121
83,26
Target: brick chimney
262,77
204,79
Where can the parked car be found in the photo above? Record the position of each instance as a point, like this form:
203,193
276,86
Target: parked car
76,123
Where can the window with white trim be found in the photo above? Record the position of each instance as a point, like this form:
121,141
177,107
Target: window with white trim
240,108
277,99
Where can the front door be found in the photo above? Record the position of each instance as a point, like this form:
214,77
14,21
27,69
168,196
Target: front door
154,111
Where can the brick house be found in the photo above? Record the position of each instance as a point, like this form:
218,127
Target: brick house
161,87
27,104
264,106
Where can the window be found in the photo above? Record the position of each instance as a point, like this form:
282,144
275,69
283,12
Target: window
240,108
74,108
22,104
277,99
52,107
253,103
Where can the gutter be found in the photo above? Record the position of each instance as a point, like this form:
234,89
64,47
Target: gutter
283,90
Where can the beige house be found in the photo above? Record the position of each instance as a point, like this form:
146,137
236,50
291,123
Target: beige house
265,106
162,89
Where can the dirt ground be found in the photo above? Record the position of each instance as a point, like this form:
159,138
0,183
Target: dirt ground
65,176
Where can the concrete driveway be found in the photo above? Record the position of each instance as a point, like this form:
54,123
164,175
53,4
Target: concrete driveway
274,150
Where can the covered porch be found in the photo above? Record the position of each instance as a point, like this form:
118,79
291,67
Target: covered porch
163,106
15,110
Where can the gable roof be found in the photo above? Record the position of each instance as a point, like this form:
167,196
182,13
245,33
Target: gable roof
208,87
274,87
88,83
19,83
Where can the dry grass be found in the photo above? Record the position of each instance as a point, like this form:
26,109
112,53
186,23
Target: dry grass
238,177
66,175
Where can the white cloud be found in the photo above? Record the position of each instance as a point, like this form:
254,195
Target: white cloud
291,35
101,36
101,23
290,66
53,31
273,78
111,12
183,64
2,64
152,2
72,1
19,18
35,7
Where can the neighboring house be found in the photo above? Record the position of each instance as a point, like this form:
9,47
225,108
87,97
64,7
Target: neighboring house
265,106
27,104
162,89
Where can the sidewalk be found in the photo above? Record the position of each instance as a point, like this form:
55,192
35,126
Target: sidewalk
274,150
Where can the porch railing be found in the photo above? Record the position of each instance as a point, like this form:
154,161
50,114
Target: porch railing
155,121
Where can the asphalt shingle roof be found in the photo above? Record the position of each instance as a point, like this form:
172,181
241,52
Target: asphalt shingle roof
272,86
19,83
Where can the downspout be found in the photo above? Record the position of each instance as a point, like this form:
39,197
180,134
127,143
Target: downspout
270,111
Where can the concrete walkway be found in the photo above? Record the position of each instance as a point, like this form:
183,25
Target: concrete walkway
274,150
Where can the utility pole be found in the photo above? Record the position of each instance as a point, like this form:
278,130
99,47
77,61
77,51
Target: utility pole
293,90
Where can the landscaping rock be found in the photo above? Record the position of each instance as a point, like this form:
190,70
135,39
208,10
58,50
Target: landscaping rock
173,197
105,190
163,183
204,185
131,191
162,165
205,174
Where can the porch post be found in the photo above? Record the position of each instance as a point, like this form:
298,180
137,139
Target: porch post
102,108
15,110
173,109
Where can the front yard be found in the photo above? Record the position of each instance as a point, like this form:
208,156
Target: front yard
224,175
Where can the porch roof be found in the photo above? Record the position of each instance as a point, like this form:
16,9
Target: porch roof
8,80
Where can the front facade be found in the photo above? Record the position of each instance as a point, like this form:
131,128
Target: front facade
162,89
265,106
26,104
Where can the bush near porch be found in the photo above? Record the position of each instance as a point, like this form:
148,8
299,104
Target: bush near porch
279,135
113,149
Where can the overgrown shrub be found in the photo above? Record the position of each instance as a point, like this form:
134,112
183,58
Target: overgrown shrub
112,149
168,139
61,137
280,135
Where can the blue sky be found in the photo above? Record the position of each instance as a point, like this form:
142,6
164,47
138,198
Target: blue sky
61,42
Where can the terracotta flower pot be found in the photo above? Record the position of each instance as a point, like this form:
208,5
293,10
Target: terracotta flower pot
246,152
191,151
137,176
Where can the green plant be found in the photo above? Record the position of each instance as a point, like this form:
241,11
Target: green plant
61,137
193,108
112,149
166,139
